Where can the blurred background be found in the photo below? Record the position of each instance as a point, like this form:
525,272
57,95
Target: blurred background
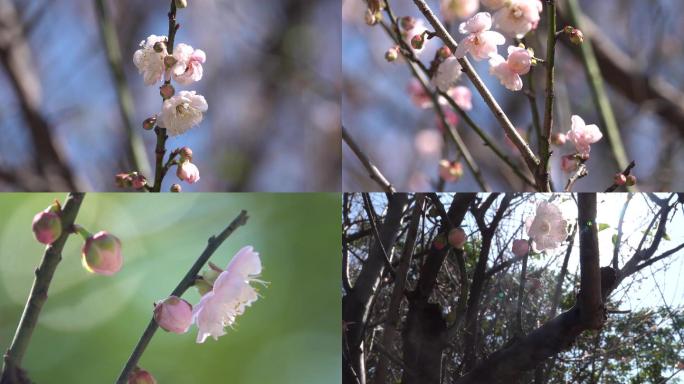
639,51
271,81
91,323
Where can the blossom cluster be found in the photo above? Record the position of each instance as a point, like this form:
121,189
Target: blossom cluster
225,295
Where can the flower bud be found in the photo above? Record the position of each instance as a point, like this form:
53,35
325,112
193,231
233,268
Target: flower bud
173,314
47,227
631,180
520,247
188,172
575,35
141,376
123,180
181,3
444,52
186,153
370,18
166,91
417,41
569,163
619,179
175,188
169,61
407,23
138,181
101,254
149,123
457,237
392,54
558,139
159,46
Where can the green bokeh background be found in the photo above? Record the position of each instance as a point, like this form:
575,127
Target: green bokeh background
90,323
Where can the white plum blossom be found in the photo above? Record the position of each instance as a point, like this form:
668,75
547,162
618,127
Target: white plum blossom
480,41
229,297
517,17
447,73
149,62
548,228
583,135
188,66
182,112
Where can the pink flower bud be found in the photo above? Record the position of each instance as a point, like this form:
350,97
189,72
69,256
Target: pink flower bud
149,123
631,180
558,139
407,22
417,42
141,376
520,247
444,52
138,181
123,180
101,254
392,54
619,179
457,237
166,91
47,227
188,172
186,153
173,314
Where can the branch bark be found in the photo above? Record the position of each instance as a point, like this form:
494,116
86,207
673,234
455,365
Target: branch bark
11,371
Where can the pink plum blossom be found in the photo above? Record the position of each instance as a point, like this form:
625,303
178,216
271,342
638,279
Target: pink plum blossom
450,117
418,95
173,314
462,97
508,71
149,61
101,254
182,112
520,247
188,172
457,238
47,227
480,41
517,17
447,73
231,294
458,9
548,228
188,67
583,135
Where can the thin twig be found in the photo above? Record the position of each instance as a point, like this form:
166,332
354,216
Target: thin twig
11,370
375,173
580,173
543,175
135,147
626,172
214,243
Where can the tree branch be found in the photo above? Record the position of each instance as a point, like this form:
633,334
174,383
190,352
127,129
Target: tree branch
11,371
186,282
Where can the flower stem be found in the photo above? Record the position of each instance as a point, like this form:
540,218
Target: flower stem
11,370
543,176
160,148
187,281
